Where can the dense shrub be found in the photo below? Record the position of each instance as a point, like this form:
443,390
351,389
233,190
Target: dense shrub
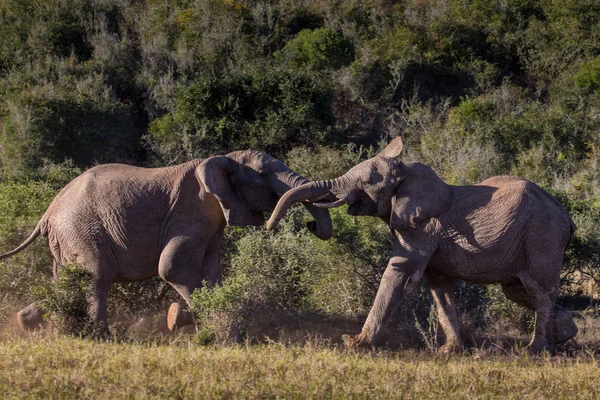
588,76
21,206
268,280
475,89
319,48
63,115
271,110
67,302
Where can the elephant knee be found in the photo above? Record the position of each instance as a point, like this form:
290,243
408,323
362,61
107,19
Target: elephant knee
31,317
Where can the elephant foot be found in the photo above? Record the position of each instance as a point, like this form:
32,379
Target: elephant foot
356,341
178,317
31,317
564,326
538,346
452,347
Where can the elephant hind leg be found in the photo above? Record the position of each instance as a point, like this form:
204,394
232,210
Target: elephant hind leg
31,317
543,301
99,261
564,326
443,292
98,309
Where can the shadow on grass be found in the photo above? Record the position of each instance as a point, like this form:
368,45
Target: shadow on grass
312,328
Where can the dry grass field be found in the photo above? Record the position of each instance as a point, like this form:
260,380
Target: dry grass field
45,365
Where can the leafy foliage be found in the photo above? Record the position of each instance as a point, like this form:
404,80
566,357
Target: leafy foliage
475,89
269,110
67,302
588,76
319,48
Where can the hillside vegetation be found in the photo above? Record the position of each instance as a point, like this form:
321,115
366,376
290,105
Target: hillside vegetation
475,88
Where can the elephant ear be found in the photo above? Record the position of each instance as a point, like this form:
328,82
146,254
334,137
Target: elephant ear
421,195
216,174
393,149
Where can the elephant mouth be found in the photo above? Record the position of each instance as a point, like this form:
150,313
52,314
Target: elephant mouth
273,199
356,208
327,200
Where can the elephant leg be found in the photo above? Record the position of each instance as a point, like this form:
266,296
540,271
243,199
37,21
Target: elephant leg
211,265
393,284
181,266
443,292
31,317
543,301
564,326
98,309
179,315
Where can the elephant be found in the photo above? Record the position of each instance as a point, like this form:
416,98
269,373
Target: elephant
126,223
503,230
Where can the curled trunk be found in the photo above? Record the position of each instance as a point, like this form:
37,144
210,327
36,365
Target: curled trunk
322,226
306,192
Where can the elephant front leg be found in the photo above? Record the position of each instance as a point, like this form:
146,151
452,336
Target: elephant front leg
186,267
443,292
393,284
179,316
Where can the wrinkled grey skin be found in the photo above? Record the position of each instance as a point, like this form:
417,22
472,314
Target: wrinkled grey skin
129,224
504,230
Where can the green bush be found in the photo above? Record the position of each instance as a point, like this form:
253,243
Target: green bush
64,115
271,110
67,302
475,89
267,281
319,48
223,311
321,162
588,76
21,207
500,308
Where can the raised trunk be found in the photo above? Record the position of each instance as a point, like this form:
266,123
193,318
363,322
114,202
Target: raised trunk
322,226
305,192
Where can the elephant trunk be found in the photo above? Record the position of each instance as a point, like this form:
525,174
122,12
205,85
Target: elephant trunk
322,226
306,192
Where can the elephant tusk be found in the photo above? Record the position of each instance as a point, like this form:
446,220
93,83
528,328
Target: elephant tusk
330,205
321,197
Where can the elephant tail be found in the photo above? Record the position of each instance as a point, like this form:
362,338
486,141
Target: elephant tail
36,232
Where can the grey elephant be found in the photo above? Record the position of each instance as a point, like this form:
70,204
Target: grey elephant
504,230
128,223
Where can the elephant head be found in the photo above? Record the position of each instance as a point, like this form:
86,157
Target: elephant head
401,194
249,183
